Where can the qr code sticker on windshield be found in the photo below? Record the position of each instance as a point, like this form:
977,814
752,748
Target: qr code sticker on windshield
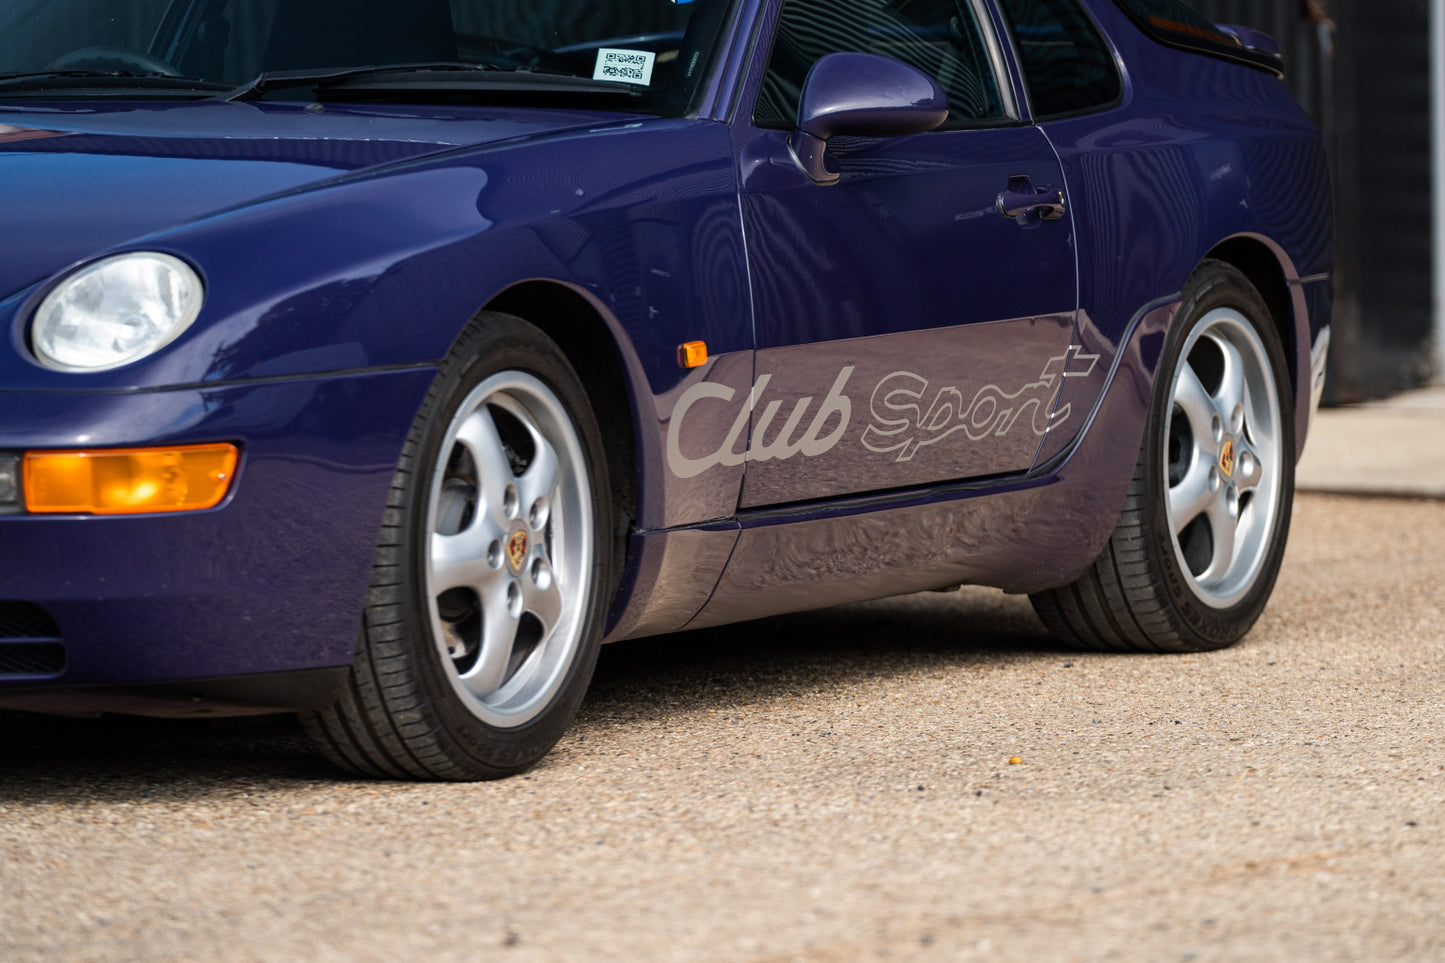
628,66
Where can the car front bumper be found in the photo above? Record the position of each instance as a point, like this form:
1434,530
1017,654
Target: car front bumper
270,582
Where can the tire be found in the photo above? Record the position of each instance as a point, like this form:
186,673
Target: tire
492,573
1195,553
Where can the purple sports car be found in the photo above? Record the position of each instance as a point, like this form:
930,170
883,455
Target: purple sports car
380,360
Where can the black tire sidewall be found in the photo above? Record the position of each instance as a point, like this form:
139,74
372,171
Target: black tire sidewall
1201,626
501,343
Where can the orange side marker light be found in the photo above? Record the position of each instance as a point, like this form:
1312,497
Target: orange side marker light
693,354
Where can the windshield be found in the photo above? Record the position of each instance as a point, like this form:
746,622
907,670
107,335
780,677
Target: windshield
633,55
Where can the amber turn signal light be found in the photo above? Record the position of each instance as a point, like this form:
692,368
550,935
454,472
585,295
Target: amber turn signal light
693,354
126,481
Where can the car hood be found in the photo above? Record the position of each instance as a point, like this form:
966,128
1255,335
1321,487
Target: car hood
78,180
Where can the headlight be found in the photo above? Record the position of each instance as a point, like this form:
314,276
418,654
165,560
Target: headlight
116,311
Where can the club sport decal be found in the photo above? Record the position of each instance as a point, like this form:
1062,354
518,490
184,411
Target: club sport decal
907,415
902,424
819,437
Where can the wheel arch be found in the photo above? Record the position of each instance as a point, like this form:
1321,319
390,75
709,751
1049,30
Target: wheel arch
1267,269
582,331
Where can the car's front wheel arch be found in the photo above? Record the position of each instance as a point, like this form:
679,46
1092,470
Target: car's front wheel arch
492,573
592,348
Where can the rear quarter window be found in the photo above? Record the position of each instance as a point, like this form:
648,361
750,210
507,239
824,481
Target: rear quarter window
1067,65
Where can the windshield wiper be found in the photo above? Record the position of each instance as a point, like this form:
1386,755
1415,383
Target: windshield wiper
281,79
108,79
444,76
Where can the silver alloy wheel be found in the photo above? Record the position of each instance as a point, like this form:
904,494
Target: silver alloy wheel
509,550
1223,460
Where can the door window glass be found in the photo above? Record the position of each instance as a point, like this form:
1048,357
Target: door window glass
939,37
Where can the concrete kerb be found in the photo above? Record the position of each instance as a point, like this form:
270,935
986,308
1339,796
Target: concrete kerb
1394,447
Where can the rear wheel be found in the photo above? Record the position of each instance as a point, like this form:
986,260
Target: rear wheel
490,578
1196,551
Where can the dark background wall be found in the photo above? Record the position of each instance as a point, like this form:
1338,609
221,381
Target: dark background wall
1362,70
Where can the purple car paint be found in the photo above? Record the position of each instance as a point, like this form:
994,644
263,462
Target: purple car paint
937,309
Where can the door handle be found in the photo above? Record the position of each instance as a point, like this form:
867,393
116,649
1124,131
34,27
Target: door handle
1023,202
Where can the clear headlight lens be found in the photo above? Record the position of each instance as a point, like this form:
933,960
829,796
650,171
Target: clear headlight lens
116,311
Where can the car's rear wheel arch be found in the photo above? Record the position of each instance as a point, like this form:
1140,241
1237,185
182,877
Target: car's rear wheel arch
1261,266
591,347
1195,552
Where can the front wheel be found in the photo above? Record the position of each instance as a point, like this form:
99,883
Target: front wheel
1196,551
490,580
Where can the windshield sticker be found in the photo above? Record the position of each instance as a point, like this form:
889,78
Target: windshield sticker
628,66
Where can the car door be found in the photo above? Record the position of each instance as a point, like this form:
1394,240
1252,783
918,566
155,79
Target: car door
908,332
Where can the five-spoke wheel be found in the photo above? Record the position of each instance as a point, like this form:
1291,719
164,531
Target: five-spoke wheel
1223,457
509,547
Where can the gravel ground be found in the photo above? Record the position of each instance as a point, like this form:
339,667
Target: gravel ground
835,786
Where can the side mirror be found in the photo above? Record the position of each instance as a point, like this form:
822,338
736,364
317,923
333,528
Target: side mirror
863,95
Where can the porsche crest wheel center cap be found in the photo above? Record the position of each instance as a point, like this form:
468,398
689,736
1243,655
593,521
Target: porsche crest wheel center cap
517,550
1226,459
